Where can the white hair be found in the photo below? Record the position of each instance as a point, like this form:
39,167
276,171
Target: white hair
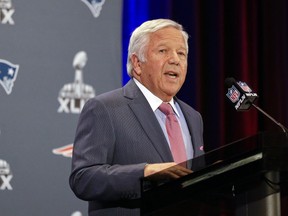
140,38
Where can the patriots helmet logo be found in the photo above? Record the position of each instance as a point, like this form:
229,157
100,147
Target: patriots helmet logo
8,74
95,6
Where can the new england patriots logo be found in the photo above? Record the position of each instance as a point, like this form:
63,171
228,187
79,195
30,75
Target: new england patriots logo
8,74
95,6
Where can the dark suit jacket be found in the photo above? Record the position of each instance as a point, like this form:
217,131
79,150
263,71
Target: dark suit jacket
117,135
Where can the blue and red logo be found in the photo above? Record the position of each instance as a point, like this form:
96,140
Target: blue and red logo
8,75
233,94
244,86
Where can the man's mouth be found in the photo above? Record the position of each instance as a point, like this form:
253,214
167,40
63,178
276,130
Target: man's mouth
172,74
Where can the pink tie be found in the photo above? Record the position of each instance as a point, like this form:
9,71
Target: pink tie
174,133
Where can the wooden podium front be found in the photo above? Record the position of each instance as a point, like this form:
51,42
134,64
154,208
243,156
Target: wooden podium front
246,177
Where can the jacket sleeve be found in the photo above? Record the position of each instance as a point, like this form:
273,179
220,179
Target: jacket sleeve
93,175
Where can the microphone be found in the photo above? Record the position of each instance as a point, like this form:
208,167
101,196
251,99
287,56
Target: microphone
240,94
242,97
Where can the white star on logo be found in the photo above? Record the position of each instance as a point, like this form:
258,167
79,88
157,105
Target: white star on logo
11,72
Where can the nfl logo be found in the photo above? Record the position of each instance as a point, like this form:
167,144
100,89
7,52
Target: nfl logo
244,86
233,94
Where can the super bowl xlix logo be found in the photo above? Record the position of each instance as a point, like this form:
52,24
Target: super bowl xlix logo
5,176
73,96
6,12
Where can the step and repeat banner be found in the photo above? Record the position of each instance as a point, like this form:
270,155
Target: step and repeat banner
54,56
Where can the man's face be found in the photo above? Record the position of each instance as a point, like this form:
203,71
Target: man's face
165,68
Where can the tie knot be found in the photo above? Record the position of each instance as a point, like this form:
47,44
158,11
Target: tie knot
166,109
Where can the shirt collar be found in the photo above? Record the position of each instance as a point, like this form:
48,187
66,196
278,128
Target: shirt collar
153,100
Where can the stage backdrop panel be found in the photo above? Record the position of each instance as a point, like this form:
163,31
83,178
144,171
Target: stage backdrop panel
54,56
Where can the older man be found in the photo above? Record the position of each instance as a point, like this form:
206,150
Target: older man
123,135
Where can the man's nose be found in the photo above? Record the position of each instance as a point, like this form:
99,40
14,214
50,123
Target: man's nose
174,58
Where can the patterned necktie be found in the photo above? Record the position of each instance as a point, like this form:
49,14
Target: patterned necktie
174,133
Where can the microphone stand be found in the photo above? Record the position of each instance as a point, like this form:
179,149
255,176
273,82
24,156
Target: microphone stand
284,129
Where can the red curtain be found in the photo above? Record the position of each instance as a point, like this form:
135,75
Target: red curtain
244,39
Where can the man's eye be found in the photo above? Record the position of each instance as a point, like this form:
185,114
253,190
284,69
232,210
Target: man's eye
182,53
162,50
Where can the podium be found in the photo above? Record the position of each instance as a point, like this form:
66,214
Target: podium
243,178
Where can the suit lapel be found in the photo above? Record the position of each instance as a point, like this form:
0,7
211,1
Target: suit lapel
148,120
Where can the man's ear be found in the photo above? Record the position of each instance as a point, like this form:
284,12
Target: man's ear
136,64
